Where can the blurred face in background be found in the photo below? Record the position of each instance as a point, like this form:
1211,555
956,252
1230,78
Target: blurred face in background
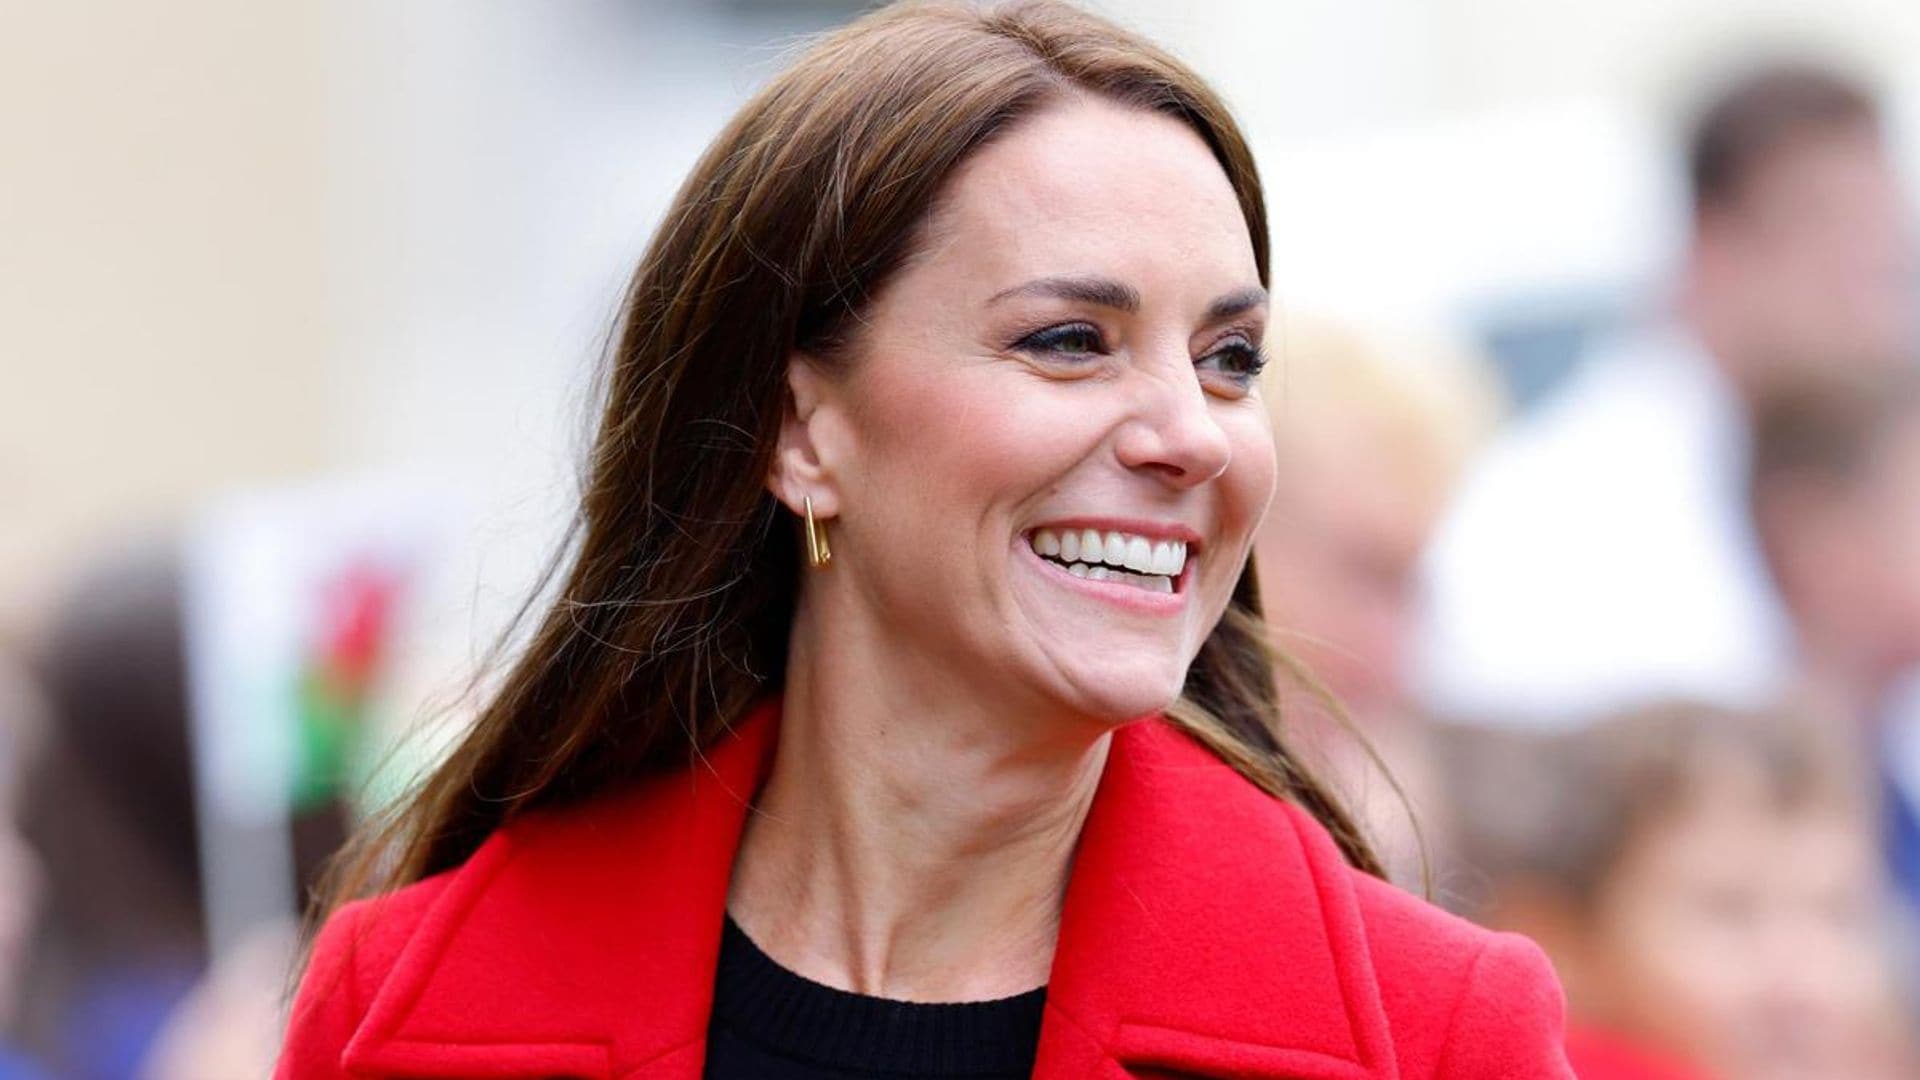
1746,936
1371,431
1338,558
1847,555
1891,507
1813,257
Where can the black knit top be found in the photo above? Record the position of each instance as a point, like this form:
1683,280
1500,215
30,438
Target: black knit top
771,1024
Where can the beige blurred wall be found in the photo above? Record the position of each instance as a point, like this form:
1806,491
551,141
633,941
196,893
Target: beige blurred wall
164,311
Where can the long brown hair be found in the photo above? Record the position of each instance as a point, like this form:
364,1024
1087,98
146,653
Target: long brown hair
675,601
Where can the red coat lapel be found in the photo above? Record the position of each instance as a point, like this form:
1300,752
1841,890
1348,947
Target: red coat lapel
580,943
1205,931
1208,930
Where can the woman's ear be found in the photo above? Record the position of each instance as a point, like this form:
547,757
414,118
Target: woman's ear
804,455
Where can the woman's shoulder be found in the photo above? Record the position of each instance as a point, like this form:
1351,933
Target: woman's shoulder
1415,931
1416,942
1282,861
368,943
371,932
1415,945
1251,894
356,948
1462,1000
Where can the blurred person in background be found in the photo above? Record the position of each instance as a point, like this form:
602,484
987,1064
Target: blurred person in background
1602,552
1706,884
903,707
228,1026
1836,497
110,805
125,985
22,725
1371,431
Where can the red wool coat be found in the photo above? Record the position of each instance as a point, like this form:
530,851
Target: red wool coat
1598,1054
1207,930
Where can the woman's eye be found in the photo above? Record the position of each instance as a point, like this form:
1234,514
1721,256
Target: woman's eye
1239,360
1070,340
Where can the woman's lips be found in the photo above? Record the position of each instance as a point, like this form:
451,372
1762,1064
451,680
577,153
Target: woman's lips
1154,594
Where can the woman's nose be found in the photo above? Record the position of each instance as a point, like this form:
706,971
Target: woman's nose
1173,431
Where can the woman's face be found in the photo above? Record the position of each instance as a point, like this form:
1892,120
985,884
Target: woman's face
1045,460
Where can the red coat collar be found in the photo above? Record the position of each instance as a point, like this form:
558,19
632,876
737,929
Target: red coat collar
1207,928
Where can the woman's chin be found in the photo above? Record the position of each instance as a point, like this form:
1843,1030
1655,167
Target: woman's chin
1117,700
1111,677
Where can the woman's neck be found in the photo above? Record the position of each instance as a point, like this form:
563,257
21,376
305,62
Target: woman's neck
910,843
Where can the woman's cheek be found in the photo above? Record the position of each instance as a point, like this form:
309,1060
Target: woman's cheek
1026,433
1249,480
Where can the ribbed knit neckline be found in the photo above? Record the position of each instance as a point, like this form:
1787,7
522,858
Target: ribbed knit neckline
789,1014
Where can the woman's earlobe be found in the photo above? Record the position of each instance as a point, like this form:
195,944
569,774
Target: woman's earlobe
797,473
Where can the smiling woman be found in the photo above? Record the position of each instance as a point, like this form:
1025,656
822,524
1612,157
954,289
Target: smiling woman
988,778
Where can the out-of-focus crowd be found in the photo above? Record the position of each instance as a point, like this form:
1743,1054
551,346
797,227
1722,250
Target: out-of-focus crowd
1642,661
1629,671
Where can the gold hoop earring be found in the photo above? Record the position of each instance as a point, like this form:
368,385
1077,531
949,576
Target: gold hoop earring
818,554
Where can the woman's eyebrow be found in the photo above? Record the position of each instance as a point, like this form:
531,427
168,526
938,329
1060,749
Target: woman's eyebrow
1087,290
1236,303
1107,292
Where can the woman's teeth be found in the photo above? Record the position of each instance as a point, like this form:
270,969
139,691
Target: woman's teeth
1114,556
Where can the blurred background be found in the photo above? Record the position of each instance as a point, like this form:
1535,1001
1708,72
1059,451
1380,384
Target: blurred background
1599,504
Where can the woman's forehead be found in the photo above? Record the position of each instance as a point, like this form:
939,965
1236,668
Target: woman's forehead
1090,182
